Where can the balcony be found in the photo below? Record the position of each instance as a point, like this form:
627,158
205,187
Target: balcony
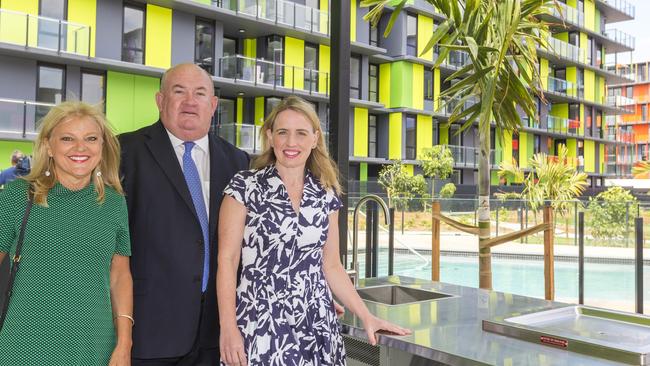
468,157
44,33
275,75
619,101
446,105
621,41
566,50
562,125
19,118
562,87
282,12
244,136
616,10
568,15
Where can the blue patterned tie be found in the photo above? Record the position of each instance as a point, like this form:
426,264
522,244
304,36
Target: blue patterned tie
194,183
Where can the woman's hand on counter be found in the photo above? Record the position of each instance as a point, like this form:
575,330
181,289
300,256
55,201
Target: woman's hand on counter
372,324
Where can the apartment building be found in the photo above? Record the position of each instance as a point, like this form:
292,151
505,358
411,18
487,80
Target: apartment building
259,51
636,94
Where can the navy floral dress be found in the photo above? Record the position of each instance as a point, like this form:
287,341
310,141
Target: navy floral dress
285,310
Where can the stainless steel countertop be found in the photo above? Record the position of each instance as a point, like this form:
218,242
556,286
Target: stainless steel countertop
449,330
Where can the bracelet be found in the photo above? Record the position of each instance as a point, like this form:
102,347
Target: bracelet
125,316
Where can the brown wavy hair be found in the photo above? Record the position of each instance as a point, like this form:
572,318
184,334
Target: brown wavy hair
319,161
109,163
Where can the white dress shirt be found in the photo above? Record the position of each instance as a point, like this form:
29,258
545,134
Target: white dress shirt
201,157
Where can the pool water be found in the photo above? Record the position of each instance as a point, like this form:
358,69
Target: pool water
607,285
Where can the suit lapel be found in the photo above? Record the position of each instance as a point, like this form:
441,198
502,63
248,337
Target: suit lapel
163,152
219,173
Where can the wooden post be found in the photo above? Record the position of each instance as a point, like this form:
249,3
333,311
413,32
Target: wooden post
549,270
435,242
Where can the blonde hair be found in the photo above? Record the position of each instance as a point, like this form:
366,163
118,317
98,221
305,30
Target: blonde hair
319,162
109,163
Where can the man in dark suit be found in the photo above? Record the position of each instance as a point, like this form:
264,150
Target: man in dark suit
174,174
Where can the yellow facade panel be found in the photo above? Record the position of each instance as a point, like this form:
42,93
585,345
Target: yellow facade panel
158,37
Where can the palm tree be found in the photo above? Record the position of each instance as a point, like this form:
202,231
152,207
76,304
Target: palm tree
501,38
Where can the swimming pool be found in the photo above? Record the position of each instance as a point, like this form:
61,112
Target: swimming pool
606,285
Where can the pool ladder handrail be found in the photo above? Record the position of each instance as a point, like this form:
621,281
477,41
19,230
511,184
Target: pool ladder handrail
353,270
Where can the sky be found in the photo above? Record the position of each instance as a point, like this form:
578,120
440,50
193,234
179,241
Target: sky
639,28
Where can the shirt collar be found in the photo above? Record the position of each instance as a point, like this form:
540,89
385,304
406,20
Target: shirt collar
202,143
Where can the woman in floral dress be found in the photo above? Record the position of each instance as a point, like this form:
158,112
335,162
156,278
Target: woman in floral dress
281,219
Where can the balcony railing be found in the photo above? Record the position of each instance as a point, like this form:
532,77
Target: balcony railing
568,14
560,86
566,50
619,135
244,136
620,101
467,156
281,12
562,125
621,5
620,37
446,105
40,32
273,74
19,118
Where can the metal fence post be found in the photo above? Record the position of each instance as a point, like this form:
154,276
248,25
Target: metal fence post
581,258
627,224
638,264
391,241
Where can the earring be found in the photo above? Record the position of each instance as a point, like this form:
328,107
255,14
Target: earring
98,174
47,171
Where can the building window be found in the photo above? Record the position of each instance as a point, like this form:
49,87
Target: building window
311,67
590,44
204,44
355,76
641,73
580,75
411,35
228,64
537,144
51,34
271,102
410,140
227,108
274,53
629,91
515,147
229,46
93,87
372,136
644,112
428,85
574,118
588,120
50,87
373,82
374,35
133,34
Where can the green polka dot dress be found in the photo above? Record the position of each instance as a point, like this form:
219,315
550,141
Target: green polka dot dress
60,311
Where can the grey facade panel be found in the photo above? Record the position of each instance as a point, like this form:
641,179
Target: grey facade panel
108,34
363,29
395,44
351,124
18,77
218,45
182,37
365,77
73,83
382,136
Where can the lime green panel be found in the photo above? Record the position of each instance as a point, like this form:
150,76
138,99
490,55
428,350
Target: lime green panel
119,100
207,2
7,148
363,172
14,27
324,66
436,88
409,169
360,132
597,21
507,145
590,156
145,111
543,72
240,110
79,39
158,37
294,55
384,84
590,15
395,136
572,147
418,86
560,110
353,20
602,159
564,36
425,30
583,46
523,149
572,76
494,178
324,16
250,47
259,111
444,134
424,130
590,83
402,83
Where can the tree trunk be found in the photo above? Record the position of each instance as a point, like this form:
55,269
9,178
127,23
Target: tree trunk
485,257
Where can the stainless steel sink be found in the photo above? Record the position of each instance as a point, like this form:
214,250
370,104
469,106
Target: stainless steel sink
398,295
614,335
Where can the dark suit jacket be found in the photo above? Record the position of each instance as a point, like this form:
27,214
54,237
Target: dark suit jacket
167,243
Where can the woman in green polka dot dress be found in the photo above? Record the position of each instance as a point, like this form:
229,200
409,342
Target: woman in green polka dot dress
72,297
